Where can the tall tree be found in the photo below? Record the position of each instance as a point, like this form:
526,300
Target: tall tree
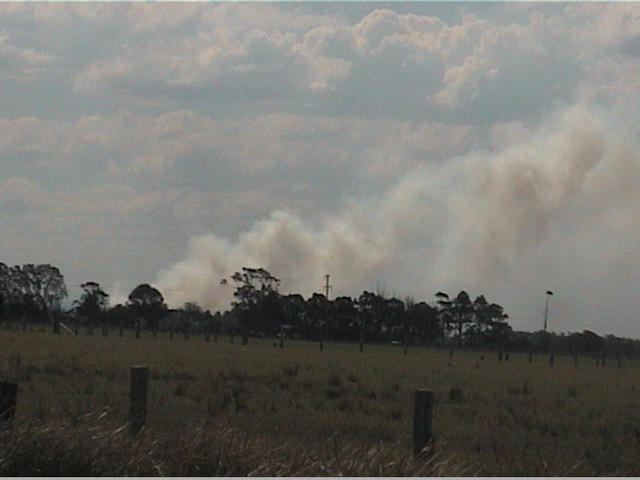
317,312
47,285
395,321
490,326
257,303
423,323
370,312
93,302
456,313
31,290
147,302
347,319
293,310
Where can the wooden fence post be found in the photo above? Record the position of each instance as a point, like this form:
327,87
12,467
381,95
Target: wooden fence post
138,329
8,394
506,356
422,423
138,398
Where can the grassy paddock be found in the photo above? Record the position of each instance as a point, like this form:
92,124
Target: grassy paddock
490,417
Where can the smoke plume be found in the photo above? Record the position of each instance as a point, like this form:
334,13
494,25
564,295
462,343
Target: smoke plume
495,223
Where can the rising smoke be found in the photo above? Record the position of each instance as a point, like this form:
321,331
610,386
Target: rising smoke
475,222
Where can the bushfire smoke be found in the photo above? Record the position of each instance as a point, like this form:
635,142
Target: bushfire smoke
531,216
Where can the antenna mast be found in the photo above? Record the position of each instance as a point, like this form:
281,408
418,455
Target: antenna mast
327,287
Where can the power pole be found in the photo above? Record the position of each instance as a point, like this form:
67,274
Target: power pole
546,309
327,287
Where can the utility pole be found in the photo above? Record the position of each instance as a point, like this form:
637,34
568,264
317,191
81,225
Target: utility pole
546,310
327,287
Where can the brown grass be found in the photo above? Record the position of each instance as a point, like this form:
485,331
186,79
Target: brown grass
301,411
94,446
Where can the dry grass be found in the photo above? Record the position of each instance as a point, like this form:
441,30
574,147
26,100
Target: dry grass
312,412
94,447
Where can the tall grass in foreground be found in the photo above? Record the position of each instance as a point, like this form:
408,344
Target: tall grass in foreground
94,447
297,410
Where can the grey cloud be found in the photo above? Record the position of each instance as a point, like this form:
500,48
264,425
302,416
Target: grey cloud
408,66
631,46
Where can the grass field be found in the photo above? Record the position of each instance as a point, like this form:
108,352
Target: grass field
490,418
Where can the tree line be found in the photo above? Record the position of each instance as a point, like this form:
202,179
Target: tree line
259,309
35,293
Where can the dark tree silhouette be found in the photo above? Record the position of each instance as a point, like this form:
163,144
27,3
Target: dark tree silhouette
456,313
147,302
257,303
423,323
32,291
93,302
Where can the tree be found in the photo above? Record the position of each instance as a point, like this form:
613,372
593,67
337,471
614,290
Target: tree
317,311
478,321
347,321
456,313
371,309
93,302
45,284
257,301
145,294
490,322
394,326
33,290
147,302
293,310
423,323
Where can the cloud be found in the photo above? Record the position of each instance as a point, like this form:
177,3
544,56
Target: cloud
22,193
22,63
386,64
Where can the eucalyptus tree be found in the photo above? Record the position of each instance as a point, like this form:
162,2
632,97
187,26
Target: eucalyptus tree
93,303
257,304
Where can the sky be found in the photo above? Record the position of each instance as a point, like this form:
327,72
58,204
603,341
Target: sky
404,148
